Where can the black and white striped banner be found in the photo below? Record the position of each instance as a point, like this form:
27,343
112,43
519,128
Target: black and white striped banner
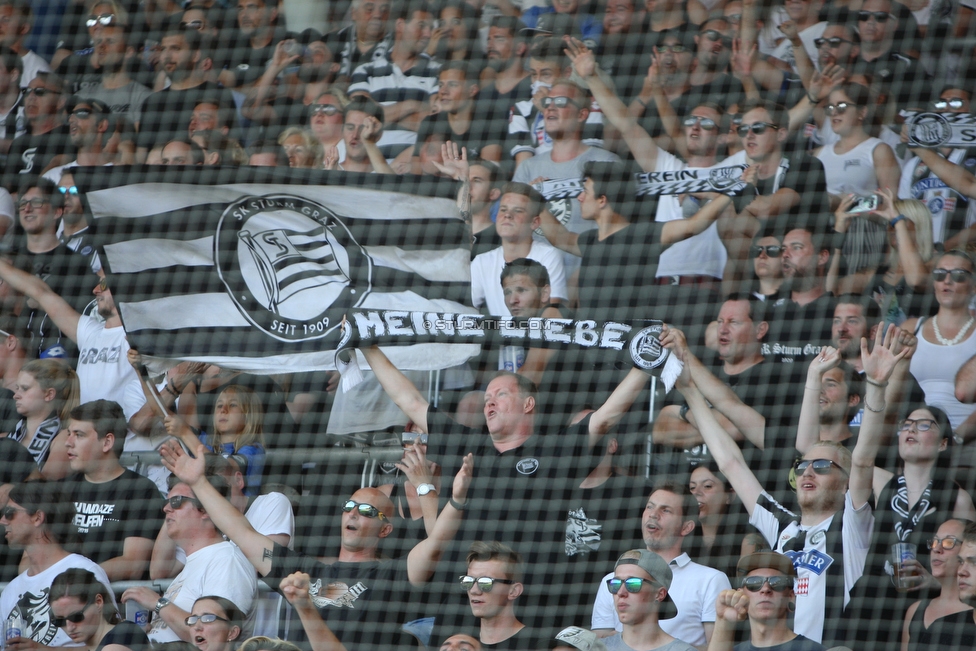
932,130
724,180
254,268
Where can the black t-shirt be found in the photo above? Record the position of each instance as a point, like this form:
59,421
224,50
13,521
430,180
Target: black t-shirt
128,635
798,332
902,76
479,134
245,62
8,415
804,174
364,604
167,113
31,154
484,241
128,506
493,108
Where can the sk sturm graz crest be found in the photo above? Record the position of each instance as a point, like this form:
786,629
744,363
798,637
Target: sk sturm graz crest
646,350
290,265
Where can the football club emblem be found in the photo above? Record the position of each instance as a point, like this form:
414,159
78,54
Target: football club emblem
646,350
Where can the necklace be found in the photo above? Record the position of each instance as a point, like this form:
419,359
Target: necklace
955,340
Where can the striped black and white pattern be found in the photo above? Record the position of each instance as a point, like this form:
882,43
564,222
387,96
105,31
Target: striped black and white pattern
232,267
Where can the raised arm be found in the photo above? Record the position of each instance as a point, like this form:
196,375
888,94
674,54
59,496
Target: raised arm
955,176
423,558
558,235
617,404
731,607
681,229
401,390
63,315
808,429
259,549
878,366
415,466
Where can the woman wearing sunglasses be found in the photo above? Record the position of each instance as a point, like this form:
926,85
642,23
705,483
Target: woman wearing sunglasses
83,609
215,624
940,622
766,253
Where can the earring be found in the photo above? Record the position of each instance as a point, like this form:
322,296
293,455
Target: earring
791,606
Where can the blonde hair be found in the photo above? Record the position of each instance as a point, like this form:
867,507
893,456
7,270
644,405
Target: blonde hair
313,147
918,213
253,432
845,455
54,374
262,643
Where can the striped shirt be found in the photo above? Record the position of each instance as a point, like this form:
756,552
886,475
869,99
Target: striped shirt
388,84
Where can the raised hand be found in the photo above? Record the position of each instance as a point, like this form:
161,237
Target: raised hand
177,461
415,466
742,61
827,359
582,57
331,159
675,341
824,81
295,588
881,361
462,480
732,605
454,163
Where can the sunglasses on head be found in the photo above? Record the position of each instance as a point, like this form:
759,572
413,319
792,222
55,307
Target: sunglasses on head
324,109
559,102
677,49
949,542
178,501
484,583
776,583
840,108
880,16
707,124
206,618
103,19
771,251
835,41
953,103
365,510
74,618
757,128
40,92
714,35
921,425
72,190
634,584
957,275
820,466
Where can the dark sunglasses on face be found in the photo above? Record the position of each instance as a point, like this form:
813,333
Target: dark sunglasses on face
104,19
677,49
365,510
713,35
324,109
949,542
820,466
193,24
707,124
921,425
776,583
72,190
835,42
178,501
484,583
206,618
559,102
840,108
957,275
954,103
74,618
40,92
757,128
771,251
633,584
880,16
9,512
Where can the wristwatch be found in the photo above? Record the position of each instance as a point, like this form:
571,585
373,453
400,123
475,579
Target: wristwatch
162,603
423,489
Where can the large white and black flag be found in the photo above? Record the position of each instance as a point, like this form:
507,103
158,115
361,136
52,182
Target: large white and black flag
254,268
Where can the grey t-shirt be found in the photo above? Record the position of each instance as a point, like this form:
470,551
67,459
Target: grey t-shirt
127,100
616,643
567,211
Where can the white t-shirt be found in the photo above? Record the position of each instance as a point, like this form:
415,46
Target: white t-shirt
28,596
271,515
704,254
486,272
813,562
694,589
104,371
784,51
221,570
33,64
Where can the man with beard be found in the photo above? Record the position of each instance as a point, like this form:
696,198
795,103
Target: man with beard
46,139
73,231
507,51
252,44
90,126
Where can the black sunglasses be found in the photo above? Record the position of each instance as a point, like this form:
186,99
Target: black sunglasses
484,583
707,124
820,466
757,128
949,542
771,251
178,501
559,101
880,16
634,584
9,512
324,109
836,41
957,275
954,103
776,583
74,618
714,35
206,618
40,92
366,510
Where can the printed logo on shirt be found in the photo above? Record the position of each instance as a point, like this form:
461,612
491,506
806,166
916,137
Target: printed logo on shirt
36,612
852,163
88,515
100,355
583,535
337,594
802,586
812,560
527,466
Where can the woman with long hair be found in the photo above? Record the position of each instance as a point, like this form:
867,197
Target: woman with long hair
84,610
722,521
46,392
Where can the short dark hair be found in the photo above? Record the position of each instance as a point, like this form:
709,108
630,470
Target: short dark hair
777,112
366,105
969,533
869,307
410,7
197,155
494,169
536,200
757,308
47,187
470,75
689,503
482,552
267,146
612,180
48,498
234,614
193,38
106,416
536,271
526,386
549,48
512,24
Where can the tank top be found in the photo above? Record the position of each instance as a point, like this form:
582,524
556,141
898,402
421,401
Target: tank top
955,631
934,368
850,172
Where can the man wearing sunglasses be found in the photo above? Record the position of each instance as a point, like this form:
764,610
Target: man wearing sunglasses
764,597
214,565
73,230
90,125
47,138
882,58
363,596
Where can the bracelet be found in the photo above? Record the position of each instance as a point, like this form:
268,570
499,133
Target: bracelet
810,97
876,411
641,102
171,387
683,413
459,507
877,384
896,220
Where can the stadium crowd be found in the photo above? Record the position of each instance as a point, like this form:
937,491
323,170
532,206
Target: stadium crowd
808,482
